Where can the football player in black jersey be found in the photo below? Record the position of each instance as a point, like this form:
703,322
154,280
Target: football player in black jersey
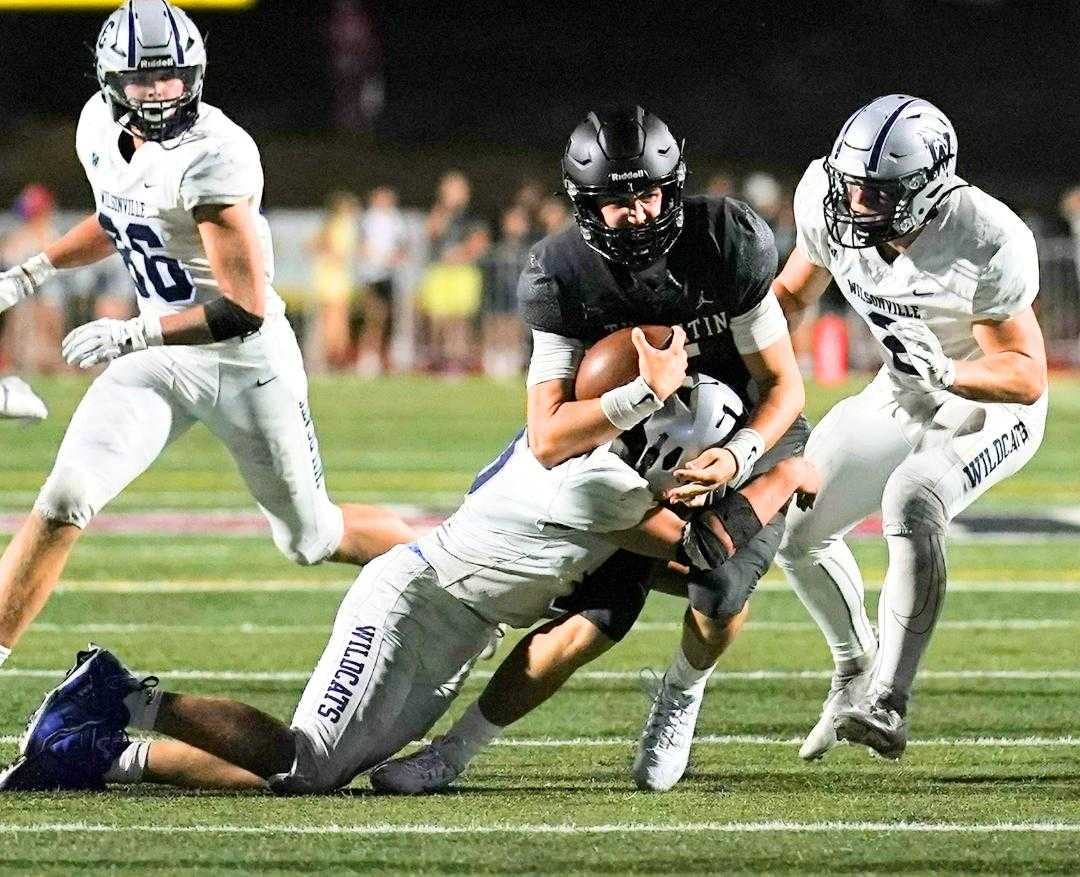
642,253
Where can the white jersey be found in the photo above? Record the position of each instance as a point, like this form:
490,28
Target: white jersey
526,535
975,261
145,205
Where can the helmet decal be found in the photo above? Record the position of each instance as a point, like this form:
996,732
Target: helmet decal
879,141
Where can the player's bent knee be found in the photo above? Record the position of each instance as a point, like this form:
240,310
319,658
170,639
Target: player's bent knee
67,498
722,596
910,505
311,544
313,770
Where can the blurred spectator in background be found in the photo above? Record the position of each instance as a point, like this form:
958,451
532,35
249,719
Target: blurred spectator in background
335,249
383,242
720,185
554,214
504,345
769,200
451,289
32,332
98,291
530,197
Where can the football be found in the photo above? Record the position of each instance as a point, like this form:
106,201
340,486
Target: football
613,361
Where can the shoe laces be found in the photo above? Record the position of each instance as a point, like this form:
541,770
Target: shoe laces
431,762
667,718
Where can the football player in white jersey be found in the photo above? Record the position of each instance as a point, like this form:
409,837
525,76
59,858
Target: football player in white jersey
177,188
944,276
410,628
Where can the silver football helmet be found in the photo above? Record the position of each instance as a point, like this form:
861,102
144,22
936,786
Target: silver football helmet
701,414
144,47
896,159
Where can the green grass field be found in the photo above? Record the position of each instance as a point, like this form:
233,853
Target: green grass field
991,782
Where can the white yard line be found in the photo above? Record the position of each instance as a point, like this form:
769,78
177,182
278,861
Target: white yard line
231,586
583,676
739,740
384,828
649,626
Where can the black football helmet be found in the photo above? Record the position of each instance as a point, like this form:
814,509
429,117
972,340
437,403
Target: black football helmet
620,152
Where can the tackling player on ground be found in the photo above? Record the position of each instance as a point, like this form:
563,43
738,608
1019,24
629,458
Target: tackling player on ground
944,276
410,628
177,188
641,253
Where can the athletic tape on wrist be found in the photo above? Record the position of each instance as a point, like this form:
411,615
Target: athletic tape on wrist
152,333
626,406
746,446
37,269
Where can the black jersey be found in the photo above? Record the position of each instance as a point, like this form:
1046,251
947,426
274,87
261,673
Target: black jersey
720,267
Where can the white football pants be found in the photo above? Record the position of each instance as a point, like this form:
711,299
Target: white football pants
921,458
251,393
400,650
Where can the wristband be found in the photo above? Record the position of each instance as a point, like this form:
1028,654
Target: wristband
948,374
628,405
746,446
151,328
37,269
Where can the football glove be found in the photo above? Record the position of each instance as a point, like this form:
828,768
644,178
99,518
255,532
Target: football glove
924,351
23,280
105,340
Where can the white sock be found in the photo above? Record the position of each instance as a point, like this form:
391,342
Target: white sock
830,586
907,612
129,767
143,706
684,676
5,653
471,733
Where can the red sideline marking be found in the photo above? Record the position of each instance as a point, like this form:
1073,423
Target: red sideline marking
193,523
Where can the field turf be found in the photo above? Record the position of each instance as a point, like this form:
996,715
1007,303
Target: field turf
991,782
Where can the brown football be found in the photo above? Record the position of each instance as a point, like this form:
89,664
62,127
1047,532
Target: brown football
613,361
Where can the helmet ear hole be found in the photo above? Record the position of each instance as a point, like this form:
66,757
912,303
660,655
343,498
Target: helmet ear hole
671,459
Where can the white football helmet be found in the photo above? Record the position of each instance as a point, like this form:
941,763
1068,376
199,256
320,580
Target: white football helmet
148,42
897,155
701,414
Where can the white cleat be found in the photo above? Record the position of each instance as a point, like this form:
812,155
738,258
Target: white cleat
425,771
875,724
845,690
664,748
19,402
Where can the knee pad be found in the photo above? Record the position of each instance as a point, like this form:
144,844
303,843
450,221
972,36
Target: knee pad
67,497
720,593
910,505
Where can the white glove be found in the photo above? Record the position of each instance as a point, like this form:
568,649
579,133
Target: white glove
23,280
924,351
105,340
19,402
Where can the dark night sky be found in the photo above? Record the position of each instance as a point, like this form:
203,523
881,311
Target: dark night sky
764,83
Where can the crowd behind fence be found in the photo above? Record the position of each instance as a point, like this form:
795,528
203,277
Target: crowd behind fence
373,287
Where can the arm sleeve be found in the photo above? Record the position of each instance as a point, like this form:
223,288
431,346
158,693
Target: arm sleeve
601,494
1010,282
809,214
753,254
226,173
759,327
554,358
